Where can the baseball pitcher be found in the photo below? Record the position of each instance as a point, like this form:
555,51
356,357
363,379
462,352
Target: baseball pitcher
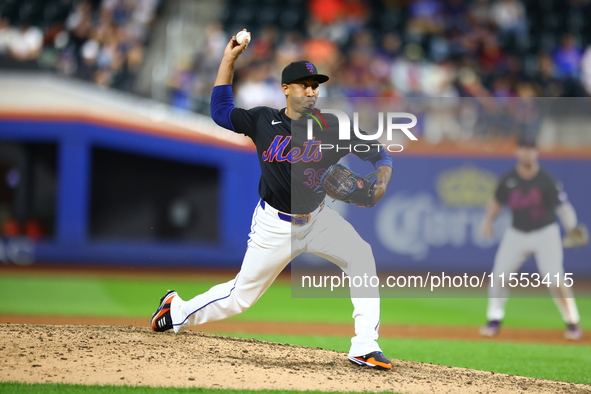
291,217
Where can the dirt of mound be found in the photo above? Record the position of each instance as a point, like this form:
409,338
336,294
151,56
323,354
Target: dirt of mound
124,355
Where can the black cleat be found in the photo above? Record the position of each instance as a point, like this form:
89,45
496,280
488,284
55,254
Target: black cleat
161,320
372,360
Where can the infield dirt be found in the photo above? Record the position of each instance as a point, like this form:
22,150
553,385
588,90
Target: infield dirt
127,355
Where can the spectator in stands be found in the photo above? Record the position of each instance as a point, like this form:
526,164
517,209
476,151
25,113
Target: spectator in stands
5,33
456,15
326,12
491,56
567,58
263,46
25,43
104,41
90,52
502,88
181,86
478,13
408,70
510,18
425,17
327,21
259,87
548,84
355,14
469,84
391,46
322,52
79,25
290,49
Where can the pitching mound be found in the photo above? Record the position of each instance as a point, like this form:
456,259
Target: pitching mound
138,356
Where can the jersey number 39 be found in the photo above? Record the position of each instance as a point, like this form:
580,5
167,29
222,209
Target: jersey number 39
314,177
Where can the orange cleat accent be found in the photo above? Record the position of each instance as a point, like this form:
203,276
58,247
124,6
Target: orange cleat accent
372,360
161,320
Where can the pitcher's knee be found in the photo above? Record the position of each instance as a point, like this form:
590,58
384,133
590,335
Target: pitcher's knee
243,302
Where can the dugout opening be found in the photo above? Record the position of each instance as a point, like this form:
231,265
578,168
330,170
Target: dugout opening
28,182
147,198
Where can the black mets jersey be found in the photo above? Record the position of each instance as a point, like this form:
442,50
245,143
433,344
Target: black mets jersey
531,201
291,164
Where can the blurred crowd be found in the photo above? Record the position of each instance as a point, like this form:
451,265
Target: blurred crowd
397,48
504,51
500,49
96,40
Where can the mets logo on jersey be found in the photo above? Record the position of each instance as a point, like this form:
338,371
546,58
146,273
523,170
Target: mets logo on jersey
279,150
310,67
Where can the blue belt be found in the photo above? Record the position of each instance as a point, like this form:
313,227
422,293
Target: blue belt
296,220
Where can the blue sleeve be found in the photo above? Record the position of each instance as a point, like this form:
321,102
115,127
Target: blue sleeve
380,158
221,106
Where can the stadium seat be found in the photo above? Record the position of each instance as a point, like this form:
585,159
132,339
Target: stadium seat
31,12
267,15
245,15
292,18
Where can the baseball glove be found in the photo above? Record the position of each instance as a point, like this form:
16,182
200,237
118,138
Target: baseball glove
341,184
577,237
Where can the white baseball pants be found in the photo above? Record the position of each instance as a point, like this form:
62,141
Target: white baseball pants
515,248
273,243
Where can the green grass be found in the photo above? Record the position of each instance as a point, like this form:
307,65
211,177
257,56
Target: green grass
49,388
85,296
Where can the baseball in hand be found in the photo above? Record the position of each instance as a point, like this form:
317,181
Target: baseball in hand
241,36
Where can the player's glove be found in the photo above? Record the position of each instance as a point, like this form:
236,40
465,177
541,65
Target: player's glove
341,184
577,237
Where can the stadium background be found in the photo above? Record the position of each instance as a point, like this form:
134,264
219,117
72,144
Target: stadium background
108,157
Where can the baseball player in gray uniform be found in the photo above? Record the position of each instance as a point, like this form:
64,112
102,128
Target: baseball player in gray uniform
535,200
283,227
